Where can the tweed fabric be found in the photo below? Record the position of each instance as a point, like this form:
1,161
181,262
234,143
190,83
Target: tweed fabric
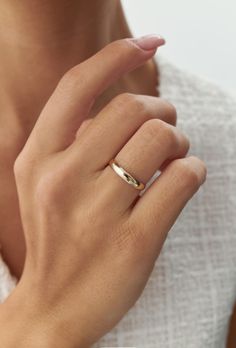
190,295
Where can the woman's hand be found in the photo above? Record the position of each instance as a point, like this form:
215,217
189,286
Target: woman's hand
92,241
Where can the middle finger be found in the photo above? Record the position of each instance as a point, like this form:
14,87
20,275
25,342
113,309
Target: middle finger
150,147
115,125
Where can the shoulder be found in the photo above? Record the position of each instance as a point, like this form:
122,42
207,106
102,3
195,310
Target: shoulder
195,98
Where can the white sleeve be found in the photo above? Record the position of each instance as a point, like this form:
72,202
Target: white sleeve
7,281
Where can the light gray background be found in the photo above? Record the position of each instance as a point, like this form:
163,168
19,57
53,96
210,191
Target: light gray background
200,34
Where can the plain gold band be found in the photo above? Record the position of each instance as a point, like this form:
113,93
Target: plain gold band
123,174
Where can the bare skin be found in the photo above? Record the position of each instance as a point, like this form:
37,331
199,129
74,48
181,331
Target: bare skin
86,229
38,45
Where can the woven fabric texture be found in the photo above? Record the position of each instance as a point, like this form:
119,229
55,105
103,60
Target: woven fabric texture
190,295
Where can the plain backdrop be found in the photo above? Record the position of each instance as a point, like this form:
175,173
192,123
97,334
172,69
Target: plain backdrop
200,34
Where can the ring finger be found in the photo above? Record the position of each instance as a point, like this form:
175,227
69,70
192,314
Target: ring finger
110,130
148,149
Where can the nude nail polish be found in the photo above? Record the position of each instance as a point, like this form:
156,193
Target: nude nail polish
149,42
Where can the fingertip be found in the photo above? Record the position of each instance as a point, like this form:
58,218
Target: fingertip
199,167
149,42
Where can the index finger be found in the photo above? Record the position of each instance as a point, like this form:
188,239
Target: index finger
80,86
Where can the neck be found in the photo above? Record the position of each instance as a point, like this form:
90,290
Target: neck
41,40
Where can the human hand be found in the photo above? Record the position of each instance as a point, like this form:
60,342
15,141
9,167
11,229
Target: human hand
91,239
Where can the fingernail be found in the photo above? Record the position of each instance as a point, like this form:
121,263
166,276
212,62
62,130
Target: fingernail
149,42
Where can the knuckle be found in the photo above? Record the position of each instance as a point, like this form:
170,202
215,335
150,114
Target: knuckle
186,174
128,103
186,142
171,113
18,166
151,128
51,187
124,99
138,107
163,130
202,168
21,167
169,135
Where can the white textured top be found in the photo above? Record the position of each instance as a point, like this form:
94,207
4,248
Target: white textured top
189,298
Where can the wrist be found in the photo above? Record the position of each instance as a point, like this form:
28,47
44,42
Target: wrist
25,323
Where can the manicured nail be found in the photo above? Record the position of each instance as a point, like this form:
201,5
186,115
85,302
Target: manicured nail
149,42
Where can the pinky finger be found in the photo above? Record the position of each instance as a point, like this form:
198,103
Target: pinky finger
159,207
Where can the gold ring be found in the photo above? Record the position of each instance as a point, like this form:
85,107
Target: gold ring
126,176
